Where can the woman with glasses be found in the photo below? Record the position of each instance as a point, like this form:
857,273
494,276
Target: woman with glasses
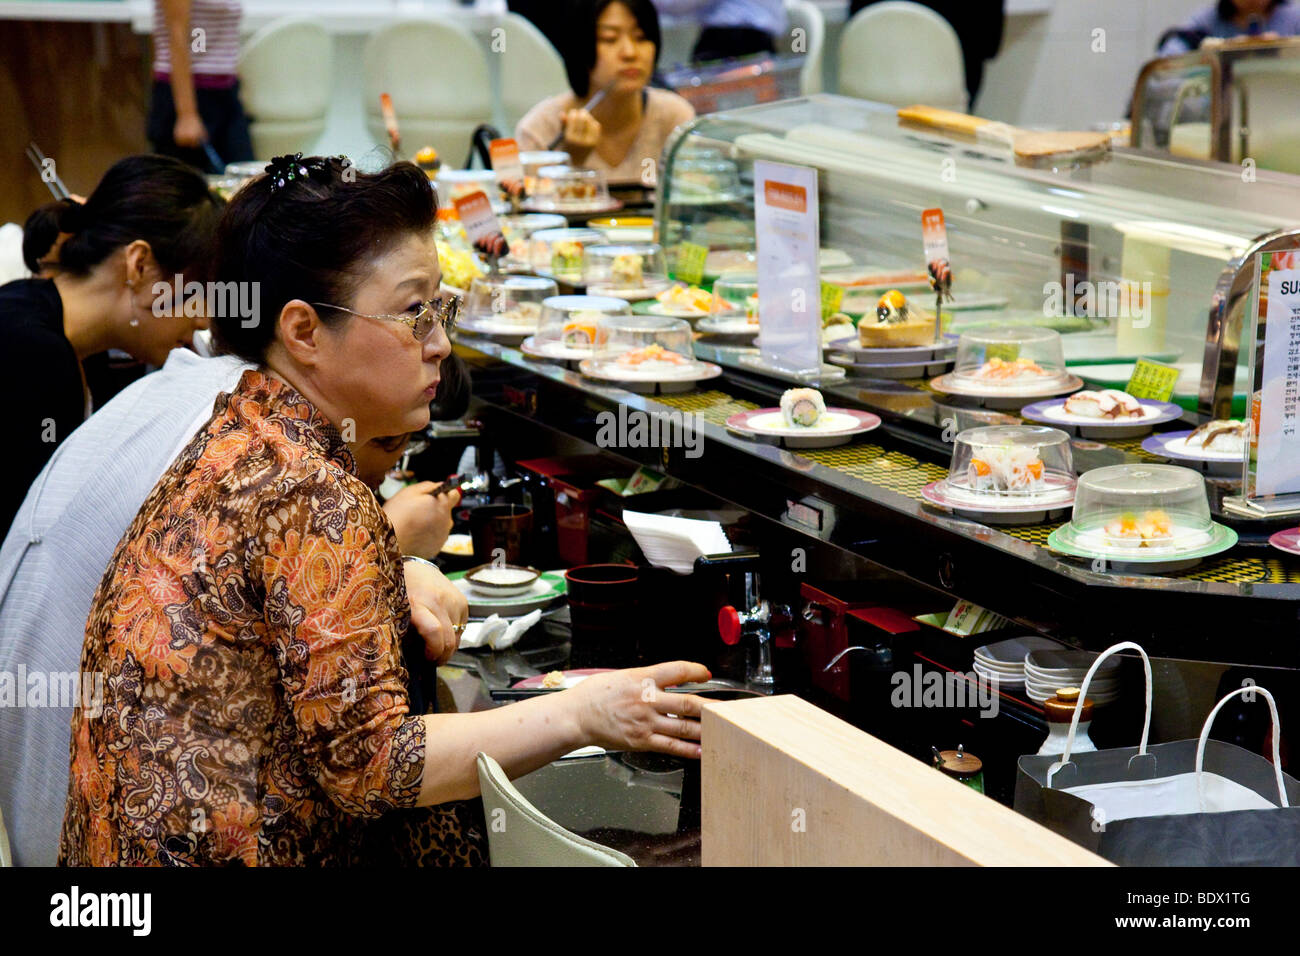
256,709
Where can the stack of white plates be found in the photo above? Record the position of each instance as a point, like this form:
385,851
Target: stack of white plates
1046,671
1004,661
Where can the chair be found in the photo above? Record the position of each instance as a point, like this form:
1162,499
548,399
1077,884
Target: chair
437,75
902,54
807,17
531,69
286,74
521,835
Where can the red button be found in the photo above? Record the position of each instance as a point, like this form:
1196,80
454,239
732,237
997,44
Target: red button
729,625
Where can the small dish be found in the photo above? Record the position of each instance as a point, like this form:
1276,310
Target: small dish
502,581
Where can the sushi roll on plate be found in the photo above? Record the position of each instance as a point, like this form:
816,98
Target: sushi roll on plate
802,407
803,421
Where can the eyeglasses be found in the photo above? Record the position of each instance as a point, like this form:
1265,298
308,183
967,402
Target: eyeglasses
441,310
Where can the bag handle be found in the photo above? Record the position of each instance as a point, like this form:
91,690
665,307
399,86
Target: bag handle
1277,734
1083,693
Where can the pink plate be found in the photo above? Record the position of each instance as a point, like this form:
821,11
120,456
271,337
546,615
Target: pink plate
534,683
1287,540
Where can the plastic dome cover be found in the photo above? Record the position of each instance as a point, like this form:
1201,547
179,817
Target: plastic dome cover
572,321
645,338
509,298
1009,359
568,187
628,267
559,252
518,229
1005,460
1122,507
736,293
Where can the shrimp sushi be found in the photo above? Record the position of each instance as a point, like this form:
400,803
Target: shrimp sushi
802,407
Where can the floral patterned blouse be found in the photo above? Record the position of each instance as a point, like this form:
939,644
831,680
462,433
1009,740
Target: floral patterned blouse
249,633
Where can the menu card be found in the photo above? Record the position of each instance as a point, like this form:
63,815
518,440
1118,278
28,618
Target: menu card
476,215
1152,380
504,154
787,226
1273,468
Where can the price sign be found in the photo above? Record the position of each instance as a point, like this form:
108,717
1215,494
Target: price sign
476,215
832,299
1152,380
934,235
504,154
786,225
690,262
1276,469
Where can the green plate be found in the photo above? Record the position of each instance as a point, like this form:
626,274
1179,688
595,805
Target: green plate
1062,540
550,587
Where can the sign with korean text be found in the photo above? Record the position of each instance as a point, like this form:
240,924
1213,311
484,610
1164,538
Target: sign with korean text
1152,380
690,262
787,226
1274,469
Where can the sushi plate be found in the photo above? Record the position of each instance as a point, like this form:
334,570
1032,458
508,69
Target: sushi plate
1287,540
891,369
649,290
1005,509
681,378
554,352
1052,412
571,209
1173,445
509,333
1065,540
736,325
862,355
837,426
1006,397
550,587
571,679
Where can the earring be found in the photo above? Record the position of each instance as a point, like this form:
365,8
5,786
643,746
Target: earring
134,323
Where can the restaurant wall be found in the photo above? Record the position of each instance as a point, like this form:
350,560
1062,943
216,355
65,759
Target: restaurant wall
1047,72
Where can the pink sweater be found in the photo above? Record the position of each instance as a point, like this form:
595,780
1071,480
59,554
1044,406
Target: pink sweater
664,112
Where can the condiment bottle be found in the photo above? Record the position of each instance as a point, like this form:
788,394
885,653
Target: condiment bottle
962,767
1060,711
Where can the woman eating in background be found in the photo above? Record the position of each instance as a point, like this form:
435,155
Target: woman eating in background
249,627
613,49
149,219
1229,19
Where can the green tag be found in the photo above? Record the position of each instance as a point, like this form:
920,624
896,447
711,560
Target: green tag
1007,351
945,322
832,299
690,262
1152,380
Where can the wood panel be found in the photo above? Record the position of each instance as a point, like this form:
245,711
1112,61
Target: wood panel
81,91
784,783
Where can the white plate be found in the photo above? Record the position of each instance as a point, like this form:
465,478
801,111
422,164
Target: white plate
1014,649
727,325
553,351
677,312
670,378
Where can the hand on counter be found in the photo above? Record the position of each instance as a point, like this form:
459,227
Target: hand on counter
437,609
630,710
422,521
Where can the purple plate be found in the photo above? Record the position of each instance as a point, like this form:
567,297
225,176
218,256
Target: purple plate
1052,412
1169,445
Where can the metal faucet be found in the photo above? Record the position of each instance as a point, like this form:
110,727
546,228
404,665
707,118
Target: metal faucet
761,621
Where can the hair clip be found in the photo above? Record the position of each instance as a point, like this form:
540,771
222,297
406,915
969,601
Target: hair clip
284,170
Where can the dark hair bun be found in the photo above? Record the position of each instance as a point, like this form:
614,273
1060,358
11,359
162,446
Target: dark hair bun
42,228
312,239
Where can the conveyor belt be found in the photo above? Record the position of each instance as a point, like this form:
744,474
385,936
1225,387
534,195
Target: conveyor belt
906,475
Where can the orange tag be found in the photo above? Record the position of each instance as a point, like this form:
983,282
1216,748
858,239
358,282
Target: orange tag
476,215
786,196
505,160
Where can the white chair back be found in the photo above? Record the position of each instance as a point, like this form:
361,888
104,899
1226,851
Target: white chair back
6,857
521,835
808,19
531,68
437,75
286,73
902,54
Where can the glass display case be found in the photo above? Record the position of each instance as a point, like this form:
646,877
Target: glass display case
1132,255
1228,101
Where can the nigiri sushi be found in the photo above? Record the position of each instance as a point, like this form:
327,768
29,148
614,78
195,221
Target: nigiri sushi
802,407
1108,403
